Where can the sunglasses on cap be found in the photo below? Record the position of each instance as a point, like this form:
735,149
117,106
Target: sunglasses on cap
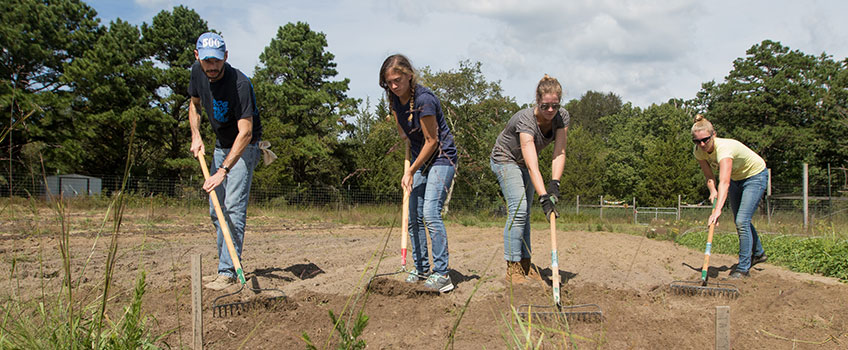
704,140
546,106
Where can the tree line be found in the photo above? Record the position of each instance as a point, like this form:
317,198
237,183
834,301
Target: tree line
76,90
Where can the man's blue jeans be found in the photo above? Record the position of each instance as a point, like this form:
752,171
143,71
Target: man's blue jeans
233,195
744,196
429,191
516,188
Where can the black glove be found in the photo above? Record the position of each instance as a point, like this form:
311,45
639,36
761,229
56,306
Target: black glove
549,205
553,189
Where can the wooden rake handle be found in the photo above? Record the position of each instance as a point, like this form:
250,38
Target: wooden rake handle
554,261
706,267
707,250
223,223
404,224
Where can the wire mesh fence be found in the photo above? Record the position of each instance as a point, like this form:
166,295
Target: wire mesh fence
784,205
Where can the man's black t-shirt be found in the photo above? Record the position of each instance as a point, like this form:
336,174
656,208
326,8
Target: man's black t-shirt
225,102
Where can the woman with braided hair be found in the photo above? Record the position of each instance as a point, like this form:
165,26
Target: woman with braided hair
515,161
433,158
742,180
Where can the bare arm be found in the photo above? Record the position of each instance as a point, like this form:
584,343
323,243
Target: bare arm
430,129
197,147
558,161
531,160
245,134
724,168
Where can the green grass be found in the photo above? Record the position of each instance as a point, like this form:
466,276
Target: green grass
825,255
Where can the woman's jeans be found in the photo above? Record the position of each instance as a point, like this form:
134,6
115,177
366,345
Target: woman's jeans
233,195
429,191
744,196
517,188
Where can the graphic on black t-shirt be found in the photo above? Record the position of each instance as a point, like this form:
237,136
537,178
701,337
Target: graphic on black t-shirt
221,108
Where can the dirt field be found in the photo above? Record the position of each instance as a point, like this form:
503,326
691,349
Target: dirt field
319,266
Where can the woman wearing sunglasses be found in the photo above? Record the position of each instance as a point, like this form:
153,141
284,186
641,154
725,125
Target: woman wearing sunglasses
422,125
742,179
515,161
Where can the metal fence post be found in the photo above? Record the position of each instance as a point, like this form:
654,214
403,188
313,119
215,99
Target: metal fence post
602,208
805,187
678,207
635,220
578,204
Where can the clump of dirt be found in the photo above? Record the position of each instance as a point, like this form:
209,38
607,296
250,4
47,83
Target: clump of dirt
390,288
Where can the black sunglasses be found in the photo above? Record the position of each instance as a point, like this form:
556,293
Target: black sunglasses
546,106
704,140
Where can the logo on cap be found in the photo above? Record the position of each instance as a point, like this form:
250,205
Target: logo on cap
211,45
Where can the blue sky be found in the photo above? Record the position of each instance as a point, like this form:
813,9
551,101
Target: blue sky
644,51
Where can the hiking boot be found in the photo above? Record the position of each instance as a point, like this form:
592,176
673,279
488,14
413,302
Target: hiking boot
221,282
439,282
737,275
530,270
759,259
210,278
514,273
414,277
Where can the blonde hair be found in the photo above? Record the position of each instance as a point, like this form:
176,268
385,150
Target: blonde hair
548,85
400,64
702,124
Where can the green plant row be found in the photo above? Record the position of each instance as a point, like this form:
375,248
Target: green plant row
827,255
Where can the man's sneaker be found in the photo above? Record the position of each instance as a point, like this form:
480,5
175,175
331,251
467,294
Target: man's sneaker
759,259
736,275
439,282
414,277
221,282
210,278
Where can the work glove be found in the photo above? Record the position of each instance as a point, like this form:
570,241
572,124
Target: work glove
549,205
553,189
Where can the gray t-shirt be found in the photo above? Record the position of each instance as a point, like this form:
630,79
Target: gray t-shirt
508,147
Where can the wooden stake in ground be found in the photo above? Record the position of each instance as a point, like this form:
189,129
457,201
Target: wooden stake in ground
196,303
722,327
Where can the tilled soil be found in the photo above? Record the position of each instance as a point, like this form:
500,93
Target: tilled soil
323,267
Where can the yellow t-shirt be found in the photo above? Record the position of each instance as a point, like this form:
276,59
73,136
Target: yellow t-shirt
746,163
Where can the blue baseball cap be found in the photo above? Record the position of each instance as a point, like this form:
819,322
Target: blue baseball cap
211,45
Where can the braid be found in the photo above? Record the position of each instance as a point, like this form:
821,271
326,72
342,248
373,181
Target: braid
411,101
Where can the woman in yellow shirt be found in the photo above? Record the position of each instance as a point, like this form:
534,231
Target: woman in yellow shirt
742,177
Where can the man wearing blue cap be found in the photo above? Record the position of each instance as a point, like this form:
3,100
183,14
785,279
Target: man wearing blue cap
226,95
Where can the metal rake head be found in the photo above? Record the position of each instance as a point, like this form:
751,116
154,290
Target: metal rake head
696,288
238,307
590,313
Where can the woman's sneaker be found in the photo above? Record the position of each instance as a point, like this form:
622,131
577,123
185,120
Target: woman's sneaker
439,282
414,277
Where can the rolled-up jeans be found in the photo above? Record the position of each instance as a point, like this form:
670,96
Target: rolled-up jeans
429,192
516,188
233,195
744,196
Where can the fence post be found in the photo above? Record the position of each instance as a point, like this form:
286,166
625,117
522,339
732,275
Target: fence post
678,207
805,187
635,220
602,208
768,195
578,204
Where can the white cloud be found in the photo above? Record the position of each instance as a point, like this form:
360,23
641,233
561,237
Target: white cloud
644,51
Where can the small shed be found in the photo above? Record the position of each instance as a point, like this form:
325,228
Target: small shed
72,185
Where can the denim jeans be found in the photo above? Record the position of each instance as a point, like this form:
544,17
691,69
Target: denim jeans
744,196
233,195
429,191
516,188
